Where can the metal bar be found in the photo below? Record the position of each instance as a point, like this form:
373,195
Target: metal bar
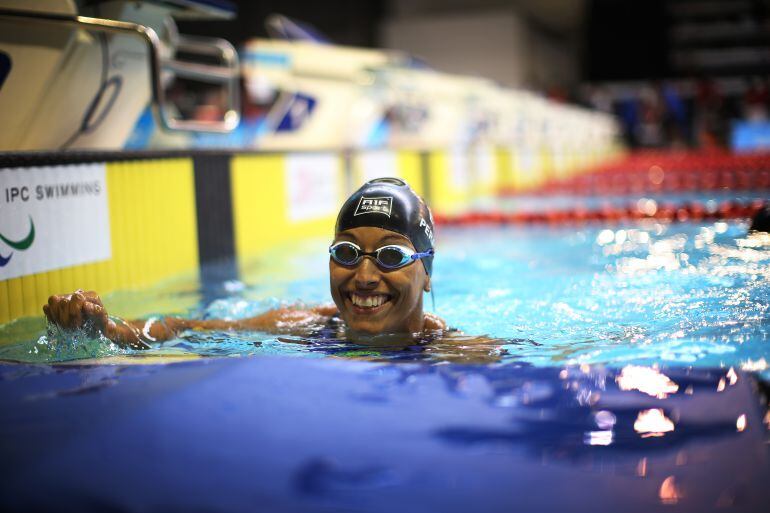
229,73
150,37
208,46
205,72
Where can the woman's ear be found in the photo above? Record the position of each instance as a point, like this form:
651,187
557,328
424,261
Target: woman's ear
426,288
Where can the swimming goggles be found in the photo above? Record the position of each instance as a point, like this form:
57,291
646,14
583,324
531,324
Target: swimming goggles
387,257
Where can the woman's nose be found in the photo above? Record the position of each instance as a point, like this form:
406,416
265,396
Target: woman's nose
367,274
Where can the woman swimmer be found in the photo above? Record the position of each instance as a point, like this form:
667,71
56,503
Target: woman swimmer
377,285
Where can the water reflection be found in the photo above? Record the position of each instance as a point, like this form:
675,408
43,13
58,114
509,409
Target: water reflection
641,467
648,380
670,492
740,424
598,408
385,428
598,438
653,422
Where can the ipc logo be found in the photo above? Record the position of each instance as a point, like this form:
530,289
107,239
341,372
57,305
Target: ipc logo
19,245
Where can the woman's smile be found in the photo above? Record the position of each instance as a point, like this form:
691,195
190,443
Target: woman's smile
368,303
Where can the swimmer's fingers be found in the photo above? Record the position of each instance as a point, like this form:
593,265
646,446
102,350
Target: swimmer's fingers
47,313
73,310
50,310
62,313
93,311
92,297
88,312
58,310
84,310
96,314
76,303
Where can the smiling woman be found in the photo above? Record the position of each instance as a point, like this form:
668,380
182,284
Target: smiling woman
388,223
376,283
372,297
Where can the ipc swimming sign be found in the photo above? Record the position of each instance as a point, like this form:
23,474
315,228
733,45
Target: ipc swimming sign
51,218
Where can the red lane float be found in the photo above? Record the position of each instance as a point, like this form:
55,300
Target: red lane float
610,214
651,171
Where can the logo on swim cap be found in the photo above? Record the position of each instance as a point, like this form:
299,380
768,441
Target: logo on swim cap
382,205
428,230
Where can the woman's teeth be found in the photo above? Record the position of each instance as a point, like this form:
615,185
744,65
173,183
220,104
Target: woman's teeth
368,301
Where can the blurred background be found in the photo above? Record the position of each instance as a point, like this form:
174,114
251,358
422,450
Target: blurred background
676,73
296,75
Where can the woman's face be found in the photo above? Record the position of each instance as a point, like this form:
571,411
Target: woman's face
372,300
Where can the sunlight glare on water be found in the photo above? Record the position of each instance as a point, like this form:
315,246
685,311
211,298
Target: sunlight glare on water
676,294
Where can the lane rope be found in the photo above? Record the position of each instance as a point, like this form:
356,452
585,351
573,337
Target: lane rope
644,209
654,172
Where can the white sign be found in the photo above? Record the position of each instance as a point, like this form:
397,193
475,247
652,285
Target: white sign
526,157
378,164
485,165
459,168
52,217
312,186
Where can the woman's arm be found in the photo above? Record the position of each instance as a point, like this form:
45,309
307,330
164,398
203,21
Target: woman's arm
85,309
280,320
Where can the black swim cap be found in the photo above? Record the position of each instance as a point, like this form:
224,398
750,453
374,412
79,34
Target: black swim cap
390,204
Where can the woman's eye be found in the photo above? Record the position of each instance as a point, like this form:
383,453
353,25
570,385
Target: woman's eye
391,257
346,253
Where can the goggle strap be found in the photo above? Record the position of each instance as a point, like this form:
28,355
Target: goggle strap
424,254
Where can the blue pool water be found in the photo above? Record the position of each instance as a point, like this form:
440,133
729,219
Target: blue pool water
675,294
309,435
619,373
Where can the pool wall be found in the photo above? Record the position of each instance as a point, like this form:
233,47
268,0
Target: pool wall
152,231
169,213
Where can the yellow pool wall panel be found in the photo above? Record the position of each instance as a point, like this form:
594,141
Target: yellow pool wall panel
5,303
153,235
410,168
450,185
153,222
273,202
506,177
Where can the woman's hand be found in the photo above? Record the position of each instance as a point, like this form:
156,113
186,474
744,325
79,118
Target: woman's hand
85,310
77,310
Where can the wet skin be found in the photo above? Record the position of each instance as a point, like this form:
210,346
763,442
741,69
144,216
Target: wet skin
372,300
85,309
399,290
